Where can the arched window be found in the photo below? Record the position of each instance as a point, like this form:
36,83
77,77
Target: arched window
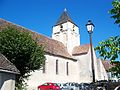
67,68
56,66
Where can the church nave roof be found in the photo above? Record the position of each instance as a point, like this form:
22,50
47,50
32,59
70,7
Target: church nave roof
51,46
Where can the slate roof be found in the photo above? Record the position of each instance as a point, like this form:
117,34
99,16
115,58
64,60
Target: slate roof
7,66
64,18
82,49
51,46
107,65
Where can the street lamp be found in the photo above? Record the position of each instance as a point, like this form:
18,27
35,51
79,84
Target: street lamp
90,26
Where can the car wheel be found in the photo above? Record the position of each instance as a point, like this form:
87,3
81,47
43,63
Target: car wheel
71,89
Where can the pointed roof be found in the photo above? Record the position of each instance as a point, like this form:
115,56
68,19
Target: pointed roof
7,66
64,18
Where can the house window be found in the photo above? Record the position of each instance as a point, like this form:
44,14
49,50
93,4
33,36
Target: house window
67,69
56,66
44,67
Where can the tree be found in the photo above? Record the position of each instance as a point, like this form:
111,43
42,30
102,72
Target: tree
115,11
110,48
22,51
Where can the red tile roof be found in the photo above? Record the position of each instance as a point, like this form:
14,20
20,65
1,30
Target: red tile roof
51,46
107,65
83,49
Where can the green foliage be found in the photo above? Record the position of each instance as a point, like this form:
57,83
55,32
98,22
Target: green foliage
115,11
22,51
21,86
116,68
109,49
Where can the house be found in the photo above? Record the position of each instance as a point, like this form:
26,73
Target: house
66,59
108,65
7,74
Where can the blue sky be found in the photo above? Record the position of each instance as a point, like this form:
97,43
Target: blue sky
41,15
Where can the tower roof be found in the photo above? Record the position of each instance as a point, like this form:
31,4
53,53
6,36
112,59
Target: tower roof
64,18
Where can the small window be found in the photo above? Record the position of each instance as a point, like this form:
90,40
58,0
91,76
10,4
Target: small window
67,69
56,66
61,27
73,27
44,67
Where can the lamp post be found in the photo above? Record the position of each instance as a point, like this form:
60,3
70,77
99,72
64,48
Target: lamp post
90,26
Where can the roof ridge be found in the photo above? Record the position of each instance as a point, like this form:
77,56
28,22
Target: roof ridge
64,18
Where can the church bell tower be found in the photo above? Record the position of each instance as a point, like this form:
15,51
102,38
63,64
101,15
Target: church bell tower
66,31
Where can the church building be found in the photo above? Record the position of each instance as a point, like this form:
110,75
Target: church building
66,59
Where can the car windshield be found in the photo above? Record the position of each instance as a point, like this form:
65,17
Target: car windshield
55,84
45,84
76,84
64,85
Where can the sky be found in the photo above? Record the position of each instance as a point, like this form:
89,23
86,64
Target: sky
41,15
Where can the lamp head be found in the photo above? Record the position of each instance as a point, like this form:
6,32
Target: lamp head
90,26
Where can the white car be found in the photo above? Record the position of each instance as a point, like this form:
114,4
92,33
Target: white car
63,86
72,86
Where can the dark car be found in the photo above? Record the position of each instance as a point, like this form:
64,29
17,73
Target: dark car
84,86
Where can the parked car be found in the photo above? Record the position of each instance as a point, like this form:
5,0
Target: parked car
72,86
84,86
49,86
63,86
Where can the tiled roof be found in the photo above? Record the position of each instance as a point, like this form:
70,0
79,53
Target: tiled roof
7,66
64,18
51,46
83,49
107,64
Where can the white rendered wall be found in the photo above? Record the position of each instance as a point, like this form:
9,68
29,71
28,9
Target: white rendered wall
79,71
102,74
85,70
38,77
84,65
7,81
69,35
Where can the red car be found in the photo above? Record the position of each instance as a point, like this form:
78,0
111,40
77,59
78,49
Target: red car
49,86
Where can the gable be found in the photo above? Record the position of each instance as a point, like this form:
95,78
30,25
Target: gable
7,66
